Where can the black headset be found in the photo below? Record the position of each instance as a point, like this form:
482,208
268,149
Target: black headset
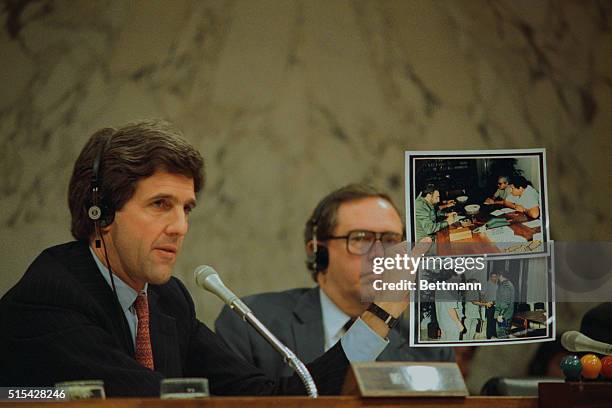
99,211
319,259
103,215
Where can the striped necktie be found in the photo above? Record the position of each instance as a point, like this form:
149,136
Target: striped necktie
144,352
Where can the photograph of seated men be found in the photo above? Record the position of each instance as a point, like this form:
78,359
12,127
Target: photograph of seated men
491,204
345,226
106,306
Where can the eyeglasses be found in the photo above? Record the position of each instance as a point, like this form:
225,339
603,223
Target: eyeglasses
360,242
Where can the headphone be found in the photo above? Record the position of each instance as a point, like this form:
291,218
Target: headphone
102,215
99,211
319,259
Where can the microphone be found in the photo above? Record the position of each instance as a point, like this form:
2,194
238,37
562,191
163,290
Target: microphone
577,342
207,278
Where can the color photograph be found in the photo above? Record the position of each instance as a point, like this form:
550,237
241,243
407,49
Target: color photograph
478,202
509,301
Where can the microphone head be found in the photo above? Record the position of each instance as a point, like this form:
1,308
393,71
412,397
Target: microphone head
207,278
202,272
568,340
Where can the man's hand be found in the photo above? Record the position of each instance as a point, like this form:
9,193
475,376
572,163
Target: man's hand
489,201
451,217
393,303
448,204
519,208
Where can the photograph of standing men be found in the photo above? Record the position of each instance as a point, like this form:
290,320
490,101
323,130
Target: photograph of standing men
512,304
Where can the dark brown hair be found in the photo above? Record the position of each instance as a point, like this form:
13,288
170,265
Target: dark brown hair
129,153
325,214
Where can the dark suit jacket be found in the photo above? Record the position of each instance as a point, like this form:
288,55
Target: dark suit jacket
61,322
596,323
295,317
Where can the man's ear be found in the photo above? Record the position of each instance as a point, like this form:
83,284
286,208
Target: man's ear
105,230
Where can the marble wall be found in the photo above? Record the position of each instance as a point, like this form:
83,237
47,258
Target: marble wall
290,99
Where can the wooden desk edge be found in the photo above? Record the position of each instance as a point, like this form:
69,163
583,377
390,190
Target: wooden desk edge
278,402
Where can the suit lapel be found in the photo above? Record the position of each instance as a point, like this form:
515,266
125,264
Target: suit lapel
86,271
164,338
307,327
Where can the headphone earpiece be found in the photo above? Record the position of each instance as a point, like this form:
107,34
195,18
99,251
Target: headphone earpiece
99,212
107,217
321,258
318,260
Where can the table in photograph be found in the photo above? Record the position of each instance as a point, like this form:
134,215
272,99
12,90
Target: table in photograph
480,243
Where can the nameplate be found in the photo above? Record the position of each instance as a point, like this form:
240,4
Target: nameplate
405,379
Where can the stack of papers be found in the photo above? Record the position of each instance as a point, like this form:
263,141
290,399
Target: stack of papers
497,213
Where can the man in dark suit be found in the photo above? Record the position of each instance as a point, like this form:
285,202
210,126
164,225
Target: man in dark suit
345,226
107,307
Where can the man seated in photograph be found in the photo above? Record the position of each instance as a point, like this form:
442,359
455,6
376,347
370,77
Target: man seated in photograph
349,223
106,305
504,305
502,193
426,215
525,199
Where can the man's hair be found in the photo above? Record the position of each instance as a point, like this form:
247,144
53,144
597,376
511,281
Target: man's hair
325,214
506,178
428,189
519,181
130,153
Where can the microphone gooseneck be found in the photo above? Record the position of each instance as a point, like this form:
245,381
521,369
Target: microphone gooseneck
207,278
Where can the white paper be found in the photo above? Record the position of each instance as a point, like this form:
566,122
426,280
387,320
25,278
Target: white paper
501,211
533,223
501,234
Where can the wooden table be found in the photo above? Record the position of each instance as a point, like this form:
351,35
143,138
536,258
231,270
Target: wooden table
283,402
480,243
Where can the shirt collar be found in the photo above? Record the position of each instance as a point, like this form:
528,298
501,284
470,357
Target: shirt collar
334,319
125,293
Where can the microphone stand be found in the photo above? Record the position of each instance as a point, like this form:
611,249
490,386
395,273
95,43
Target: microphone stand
288,356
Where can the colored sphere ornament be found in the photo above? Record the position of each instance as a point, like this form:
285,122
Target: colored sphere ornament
591,366
606,366
571,366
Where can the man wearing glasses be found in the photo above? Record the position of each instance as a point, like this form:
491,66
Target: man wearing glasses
502,193
348,228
